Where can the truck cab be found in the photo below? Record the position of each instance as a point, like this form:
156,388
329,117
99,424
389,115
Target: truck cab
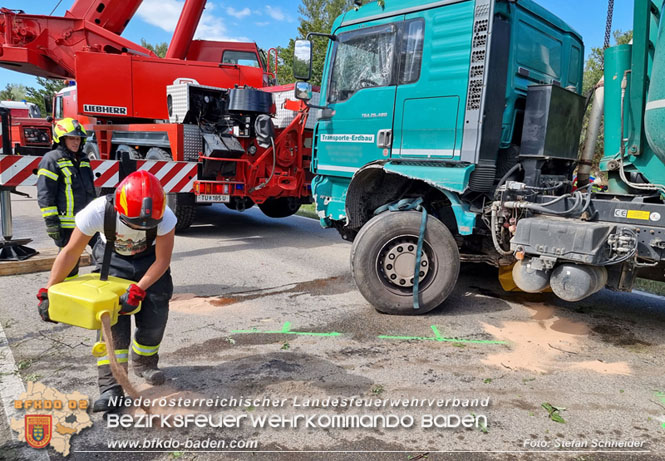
30,133
408,83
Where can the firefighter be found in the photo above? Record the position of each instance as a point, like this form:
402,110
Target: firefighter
65,184
142,229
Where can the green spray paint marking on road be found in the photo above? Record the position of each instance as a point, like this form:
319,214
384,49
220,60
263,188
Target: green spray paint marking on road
660,396
439,338
286,330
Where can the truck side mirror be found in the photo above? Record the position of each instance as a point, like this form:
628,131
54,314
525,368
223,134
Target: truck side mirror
303,91
302,60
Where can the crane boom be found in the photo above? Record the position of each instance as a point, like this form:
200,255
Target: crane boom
112,15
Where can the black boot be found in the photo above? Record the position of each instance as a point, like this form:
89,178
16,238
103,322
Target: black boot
153,376
146,367
110,400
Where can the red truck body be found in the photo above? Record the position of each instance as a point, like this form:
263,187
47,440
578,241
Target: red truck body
121,96
30,134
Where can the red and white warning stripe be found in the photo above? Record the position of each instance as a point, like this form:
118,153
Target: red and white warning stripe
18,170
174,176
105,172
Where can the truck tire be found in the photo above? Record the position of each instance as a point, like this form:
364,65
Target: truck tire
157,153
393,236
184,211
91,151
280,207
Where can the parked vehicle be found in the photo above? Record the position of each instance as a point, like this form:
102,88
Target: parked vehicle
451,134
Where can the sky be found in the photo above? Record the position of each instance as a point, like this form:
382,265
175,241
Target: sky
272,23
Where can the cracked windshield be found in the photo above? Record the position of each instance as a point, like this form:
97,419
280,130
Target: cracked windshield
362,60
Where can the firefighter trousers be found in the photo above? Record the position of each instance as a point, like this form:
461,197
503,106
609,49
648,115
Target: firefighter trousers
150,320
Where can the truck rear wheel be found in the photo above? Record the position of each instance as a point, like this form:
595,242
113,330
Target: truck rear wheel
183,207
383,257
280,207
91,151
184,211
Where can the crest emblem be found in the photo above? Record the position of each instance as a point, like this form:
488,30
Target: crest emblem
38,430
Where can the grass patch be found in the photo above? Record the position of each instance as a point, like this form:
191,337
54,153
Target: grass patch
308,211
650,286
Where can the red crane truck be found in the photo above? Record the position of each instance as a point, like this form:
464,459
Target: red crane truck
121,86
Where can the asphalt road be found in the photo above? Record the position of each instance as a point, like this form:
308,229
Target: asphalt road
250,289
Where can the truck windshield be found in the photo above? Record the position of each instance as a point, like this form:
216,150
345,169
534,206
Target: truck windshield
241,58
363,59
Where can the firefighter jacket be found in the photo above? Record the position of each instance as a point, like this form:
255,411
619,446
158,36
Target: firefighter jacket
65,185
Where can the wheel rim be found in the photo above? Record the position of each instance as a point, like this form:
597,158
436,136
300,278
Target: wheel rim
396,260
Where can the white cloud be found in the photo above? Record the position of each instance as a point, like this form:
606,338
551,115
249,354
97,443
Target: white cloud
238,13
165,14
161,13
262,23
277,14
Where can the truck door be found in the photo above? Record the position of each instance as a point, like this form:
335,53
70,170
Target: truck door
361,90
433,79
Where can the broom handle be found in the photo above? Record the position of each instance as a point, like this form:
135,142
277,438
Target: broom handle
119,372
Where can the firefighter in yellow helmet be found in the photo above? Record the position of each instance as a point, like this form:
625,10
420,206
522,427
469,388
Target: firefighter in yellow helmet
65,184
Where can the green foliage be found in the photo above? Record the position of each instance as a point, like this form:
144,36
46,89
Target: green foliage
13,92
159,49
48,87
554,412
315,16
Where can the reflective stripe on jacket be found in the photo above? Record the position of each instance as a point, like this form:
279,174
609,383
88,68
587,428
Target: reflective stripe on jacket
65,186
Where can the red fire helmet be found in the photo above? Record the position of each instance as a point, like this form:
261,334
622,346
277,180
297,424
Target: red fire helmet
140,200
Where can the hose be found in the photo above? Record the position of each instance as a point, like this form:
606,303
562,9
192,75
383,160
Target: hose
510,172
493,231
622,151
119,372
542,208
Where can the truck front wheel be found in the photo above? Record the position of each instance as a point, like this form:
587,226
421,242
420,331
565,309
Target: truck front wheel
383,257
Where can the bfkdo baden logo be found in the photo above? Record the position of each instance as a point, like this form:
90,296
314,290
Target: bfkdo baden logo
38,430
48,418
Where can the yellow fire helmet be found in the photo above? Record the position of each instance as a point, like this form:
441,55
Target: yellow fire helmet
68,127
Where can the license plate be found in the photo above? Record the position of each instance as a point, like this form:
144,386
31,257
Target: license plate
212,198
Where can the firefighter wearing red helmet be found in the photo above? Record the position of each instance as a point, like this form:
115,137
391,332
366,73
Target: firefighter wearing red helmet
141,228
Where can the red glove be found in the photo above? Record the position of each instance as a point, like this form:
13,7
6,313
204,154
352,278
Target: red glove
42,296
130,300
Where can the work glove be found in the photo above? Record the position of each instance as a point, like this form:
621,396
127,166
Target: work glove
130,300
42,296
55,232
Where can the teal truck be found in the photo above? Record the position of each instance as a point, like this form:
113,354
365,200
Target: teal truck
450,132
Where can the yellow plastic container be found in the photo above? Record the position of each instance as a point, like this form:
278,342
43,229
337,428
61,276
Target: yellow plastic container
82,301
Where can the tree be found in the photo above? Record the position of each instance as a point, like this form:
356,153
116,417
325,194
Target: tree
315,16
49,87
159,49
13,92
